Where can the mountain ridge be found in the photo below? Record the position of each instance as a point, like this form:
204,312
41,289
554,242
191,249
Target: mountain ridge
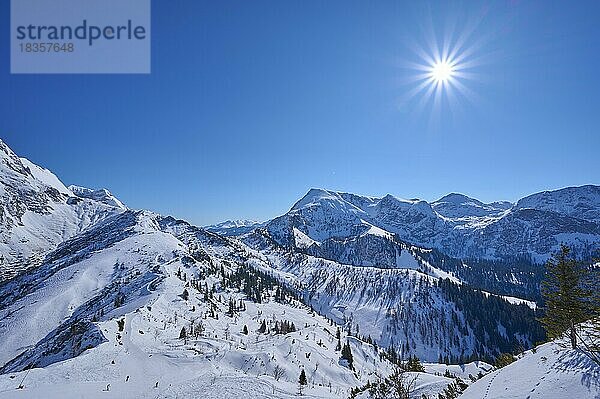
456,224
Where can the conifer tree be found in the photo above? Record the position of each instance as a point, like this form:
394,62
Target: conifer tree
231,311
263,327
414,364
302,380
347,355
567,300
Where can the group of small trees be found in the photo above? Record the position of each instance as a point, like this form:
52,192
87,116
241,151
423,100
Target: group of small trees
257,285
504,359
398,385
453,390
413,364
194,330
284,327
234,308
280,327
119,300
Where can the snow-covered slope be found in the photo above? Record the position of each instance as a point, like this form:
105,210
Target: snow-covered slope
38,212
413,307
551,372
161,276
577,202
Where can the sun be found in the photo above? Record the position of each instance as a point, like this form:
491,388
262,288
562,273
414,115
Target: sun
441,71
444,63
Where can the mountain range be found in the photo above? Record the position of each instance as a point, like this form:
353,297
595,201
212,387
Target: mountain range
457,225
97,299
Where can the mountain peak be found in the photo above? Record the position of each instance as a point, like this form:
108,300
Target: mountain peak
457,198
581,202
101,195
389,197
314,196
45,176
460,206
10,160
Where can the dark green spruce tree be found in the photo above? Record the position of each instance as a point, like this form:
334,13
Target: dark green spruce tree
347,355
566,293
302,380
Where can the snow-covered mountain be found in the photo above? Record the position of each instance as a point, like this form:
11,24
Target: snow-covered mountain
38,212
457,225
104,315
102,195
412,307
99,300
109,305
154,274
459,206
234,227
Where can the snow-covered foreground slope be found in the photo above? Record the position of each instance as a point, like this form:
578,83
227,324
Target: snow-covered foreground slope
221,363
551,372
162,276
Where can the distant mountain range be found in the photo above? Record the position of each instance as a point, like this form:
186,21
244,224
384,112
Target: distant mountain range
234,227
457,225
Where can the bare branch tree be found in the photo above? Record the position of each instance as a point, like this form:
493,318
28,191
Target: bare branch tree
278,372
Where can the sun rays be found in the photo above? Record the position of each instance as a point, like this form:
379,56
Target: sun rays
444,65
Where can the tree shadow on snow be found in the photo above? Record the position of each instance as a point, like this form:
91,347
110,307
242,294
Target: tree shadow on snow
576,360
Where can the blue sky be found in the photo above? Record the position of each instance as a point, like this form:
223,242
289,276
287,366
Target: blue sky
250,104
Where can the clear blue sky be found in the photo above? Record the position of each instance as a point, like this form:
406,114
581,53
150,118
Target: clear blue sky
251,103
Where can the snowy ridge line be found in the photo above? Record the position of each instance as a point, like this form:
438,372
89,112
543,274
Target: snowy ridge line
459,226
